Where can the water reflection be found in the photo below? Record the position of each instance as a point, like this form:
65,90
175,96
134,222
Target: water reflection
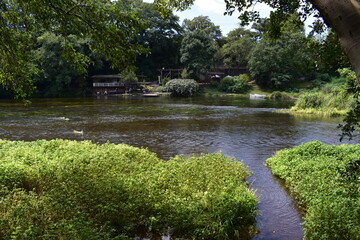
247,130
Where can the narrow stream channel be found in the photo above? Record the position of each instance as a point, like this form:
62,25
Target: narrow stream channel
248,130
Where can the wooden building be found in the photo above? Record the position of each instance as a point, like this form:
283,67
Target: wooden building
112,84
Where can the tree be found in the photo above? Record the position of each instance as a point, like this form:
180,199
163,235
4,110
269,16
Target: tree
328,54
203,23
57,75
162,37
111,25
238,46
197,51
277,63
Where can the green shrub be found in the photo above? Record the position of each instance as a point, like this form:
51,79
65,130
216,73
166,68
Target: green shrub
214,85
160,89
347,74
182,87
63,189
280,80
185,74
237,84
226,83
164,81
326,182
321,79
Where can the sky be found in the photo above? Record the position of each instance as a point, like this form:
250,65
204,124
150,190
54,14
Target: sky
215,10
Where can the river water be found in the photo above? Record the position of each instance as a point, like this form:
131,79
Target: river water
248,130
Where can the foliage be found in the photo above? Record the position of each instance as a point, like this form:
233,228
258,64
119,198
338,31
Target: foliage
106,23
277,63
184,74
63,189
238,46
237,84
328,53
164,81
197,51
282,11
57,74
334,103
182,87
162,37
204,24
160,89
226,83
352,119
325,181
349,76
128,75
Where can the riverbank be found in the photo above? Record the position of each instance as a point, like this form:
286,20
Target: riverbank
325,181
335,103
80,190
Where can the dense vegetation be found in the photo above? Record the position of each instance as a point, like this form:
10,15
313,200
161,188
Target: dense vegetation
330,97
61,60
326,182
182,87
238,84
63,189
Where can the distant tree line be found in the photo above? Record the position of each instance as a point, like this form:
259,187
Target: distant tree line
61,61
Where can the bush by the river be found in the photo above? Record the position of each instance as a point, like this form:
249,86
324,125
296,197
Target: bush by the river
326,182
238,84
182,87
64,189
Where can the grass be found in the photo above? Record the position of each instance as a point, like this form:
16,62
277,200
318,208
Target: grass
326,182
325,104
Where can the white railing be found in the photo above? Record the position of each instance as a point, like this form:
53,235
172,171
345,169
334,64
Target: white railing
113,84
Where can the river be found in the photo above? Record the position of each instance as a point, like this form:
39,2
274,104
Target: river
249,130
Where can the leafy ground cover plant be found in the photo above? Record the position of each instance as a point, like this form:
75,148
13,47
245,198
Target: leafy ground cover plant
64,189
326,182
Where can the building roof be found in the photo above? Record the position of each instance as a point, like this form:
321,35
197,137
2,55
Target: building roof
107,76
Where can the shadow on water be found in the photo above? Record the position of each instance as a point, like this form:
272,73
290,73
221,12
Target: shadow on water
248,130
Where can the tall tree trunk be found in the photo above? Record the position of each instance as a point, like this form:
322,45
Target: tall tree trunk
344,17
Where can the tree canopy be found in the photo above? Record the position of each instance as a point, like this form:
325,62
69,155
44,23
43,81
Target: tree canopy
342,16
111,26
239,43
203,23
162,37
197,51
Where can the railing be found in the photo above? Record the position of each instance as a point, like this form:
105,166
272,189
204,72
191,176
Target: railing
113,84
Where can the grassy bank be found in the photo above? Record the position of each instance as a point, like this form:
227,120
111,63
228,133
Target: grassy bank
78,190
325,104
326,182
